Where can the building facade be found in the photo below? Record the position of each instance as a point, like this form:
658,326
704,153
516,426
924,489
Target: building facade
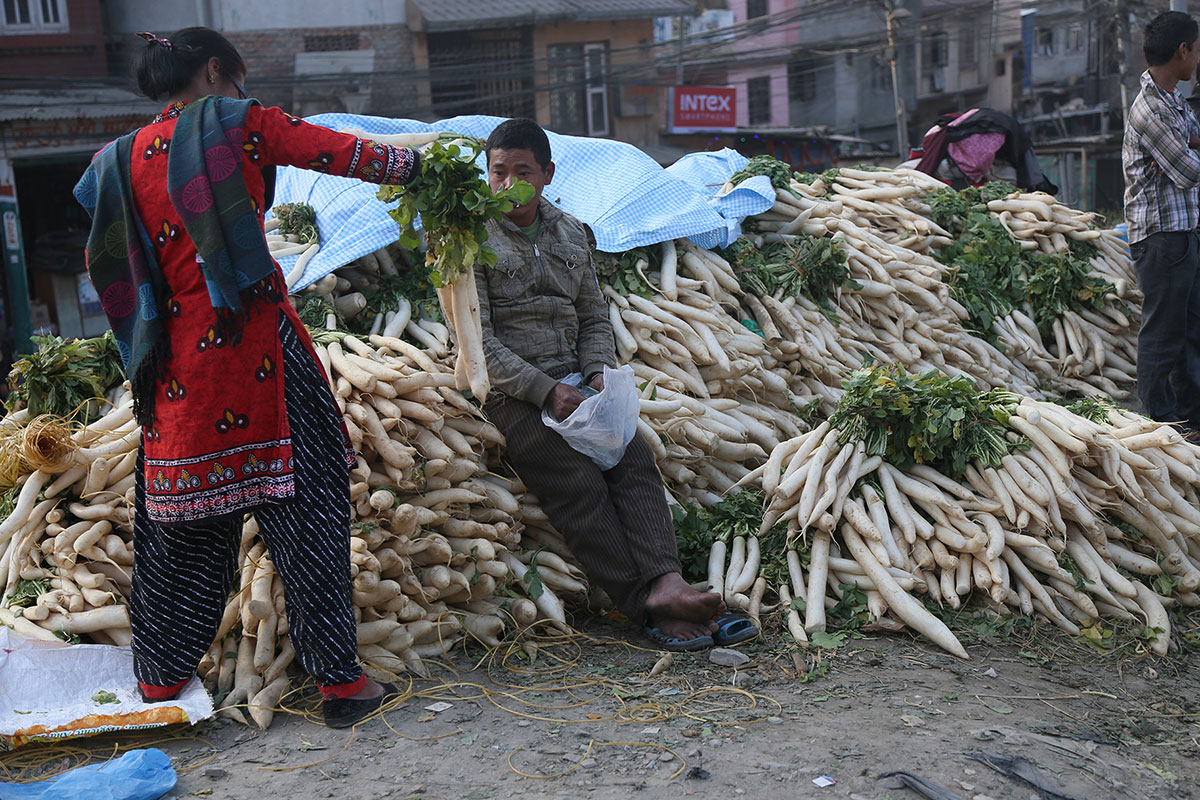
579,67
57,107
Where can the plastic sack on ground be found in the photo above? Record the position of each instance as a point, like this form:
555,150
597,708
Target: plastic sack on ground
605,423
50,691
136,775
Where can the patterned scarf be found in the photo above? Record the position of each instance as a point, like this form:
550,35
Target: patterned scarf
205,184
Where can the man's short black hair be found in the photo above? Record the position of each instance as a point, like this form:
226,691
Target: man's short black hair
1165,33
520,133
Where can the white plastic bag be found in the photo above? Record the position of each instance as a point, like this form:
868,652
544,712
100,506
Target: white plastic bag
605,423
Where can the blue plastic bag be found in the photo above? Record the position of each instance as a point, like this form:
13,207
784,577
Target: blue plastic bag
136,775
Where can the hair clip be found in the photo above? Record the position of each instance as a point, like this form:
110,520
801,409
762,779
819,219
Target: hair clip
150,37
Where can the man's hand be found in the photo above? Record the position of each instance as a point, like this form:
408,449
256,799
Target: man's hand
563,400
1194,142
597,382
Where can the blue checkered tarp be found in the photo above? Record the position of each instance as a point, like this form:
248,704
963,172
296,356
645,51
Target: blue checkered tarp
623,195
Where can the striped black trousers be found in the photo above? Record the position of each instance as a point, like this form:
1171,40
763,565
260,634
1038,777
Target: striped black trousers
616,522
183,574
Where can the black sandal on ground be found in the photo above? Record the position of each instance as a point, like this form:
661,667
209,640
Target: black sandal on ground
343,712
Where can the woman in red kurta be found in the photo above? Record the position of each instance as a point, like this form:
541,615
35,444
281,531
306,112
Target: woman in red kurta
239,417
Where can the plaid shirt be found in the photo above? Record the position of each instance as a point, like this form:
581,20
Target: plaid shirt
1162,172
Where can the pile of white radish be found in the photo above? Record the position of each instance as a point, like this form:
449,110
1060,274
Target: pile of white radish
884,222
1003,531
435,534
439,530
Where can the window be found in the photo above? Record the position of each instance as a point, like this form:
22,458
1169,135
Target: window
758,96
578,77
331,43
1074,43
967,55
756,8
879,74
937,49
802,80
1045,41
33,16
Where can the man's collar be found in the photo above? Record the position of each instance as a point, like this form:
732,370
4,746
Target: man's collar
547,212
1175,96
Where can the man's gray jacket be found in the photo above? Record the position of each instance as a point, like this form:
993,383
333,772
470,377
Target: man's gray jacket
541,307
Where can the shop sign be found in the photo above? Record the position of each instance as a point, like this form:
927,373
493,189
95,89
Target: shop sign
703,108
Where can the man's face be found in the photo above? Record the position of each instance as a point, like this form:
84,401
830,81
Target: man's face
1191,59
506,167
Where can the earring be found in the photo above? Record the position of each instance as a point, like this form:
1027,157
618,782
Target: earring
211,80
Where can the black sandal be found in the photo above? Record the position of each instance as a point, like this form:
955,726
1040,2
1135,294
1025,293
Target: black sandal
344,712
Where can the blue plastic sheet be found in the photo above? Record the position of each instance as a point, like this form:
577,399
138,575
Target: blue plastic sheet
625,197
136,775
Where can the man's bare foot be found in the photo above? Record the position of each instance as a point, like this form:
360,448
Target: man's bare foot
681,629
672,598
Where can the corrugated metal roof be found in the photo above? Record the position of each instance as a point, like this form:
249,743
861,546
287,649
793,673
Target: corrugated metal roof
48,104
435,16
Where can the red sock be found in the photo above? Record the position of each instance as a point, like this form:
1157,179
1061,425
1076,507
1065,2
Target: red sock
343,690
161,692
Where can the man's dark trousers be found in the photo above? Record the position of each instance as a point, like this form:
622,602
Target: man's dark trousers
1168,369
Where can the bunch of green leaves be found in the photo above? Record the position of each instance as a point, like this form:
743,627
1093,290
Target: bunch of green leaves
812,266
622,272
985,272
314,310
779,172
1093,408
454,204
951,209
62,375
740,514
26,592
925,419
1062,282
297,219
386,291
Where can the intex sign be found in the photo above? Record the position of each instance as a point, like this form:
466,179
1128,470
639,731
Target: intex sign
703,108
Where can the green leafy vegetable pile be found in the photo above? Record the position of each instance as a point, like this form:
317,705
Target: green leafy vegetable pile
991,275
925,419
454,204
739,514
63,374
621,271
297,219
779,172
812,266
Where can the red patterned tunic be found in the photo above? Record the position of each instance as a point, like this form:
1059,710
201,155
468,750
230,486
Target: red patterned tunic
220,442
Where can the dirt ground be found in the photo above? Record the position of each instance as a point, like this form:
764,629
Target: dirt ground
1095,726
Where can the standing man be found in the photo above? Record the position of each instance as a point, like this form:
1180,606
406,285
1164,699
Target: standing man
1162,176
544,317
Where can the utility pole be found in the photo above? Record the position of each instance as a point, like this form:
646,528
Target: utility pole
1124,54
892,14
679,51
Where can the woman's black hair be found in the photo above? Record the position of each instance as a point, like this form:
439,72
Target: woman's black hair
1165,33
520,133
163,70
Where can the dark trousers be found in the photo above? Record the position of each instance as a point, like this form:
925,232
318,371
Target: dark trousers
1168,368
616,522
183,574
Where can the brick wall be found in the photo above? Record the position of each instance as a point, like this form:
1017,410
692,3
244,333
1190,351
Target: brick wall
74,53
270,61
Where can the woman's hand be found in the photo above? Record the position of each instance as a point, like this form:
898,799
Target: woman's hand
597,382
563,400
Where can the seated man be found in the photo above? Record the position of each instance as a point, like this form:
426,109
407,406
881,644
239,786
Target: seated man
544,317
